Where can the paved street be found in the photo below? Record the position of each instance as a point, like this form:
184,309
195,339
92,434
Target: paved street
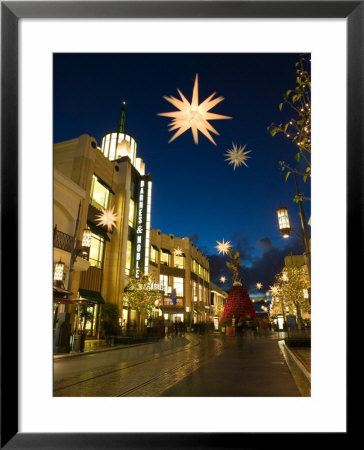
193,365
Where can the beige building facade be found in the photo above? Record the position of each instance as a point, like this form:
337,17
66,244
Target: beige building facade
184,273
89,180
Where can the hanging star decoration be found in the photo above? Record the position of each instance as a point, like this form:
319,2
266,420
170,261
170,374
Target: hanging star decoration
192,115
178,251
223,247
259,285
223,279
274,290
237,156
107,218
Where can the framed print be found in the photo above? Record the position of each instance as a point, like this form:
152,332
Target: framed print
44,45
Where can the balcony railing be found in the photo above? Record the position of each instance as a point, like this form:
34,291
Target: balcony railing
64,242
168,302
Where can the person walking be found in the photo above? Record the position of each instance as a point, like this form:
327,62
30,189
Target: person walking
249,333
176,327
239,332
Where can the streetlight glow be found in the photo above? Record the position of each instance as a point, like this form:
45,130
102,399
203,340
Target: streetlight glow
58,271
283,222
86,238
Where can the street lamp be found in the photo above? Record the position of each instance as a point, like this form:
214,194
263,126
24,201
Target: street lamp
86,240
58,272
283,222
63,330
285,228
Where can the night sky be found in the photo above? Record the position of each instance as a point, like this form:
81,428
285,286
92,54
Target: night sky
196,193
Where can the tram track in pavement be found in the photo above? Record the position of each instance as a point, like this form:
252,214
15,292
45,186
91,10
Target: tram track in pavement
150,387
188,366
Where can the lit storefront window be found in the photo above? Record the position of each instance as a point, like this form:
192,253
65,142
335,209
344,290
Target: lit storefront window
200,296
179,262
129,247
96,251
99,195
91,323
132,213
86,320
154,254
194,286
165,258
178,284
194,266
163,279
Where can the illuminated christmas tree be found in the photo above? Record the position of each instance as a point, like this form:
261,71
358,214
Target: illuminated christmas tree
238,304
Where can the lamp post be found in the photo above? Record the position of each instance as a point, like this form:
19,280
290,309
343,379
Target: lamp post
285,228
63,328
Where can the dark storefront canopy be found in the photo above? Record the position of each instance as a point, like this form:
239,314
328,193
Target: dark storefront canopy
99,231
91,296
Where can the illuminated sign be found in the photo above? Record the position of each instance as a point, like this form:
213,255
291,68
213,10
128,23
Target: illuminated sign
157,287
143,227
216,322
280,322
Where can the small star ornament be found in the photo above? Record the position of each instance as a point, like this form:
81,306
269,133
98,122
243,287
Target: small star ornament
107,218
274,290
193,115
223,247
259,285
223,279
237,156
178,251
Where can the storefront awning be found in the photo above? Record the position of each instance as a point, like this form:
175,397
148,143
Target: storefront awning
60,295
92,296
58,291
155,248
99,231
165,250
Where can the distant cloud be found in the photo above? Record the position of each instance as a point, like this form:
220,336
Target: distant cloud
262,268
265,244
240,243
194,238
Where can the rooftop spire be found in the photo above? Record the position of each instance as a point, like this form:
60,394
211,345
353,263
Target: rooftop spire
122,118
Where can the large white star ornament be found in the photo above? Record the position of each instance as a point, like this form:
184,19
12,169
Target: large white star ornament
107,218
237,156
192,115
223,247
178,252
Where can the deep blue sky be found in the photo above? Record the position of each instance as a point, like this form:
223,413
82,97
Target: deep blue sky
196,193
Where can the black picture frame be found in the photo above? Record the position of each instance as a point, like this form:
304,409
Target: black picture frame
11,12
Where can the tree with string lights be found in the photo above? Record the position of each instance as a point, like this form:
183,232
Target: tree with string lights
140,296
298,127
293,285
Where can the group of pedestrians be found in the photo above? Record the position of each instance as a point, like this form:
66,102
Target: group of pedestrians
245,328
176,328
203,327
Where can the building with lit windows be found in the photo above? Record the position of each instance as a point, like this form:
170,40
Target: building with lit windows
218,299
90,179
184,272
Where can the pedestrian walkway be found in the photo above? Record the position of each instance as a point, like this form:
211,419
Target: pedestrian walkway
241,372
99,346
